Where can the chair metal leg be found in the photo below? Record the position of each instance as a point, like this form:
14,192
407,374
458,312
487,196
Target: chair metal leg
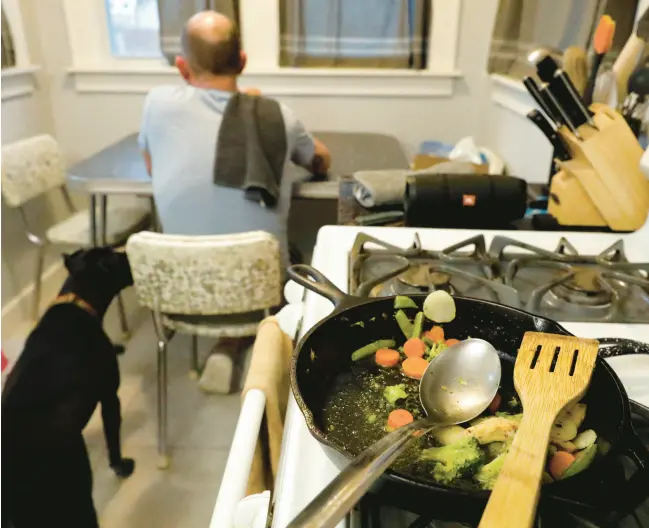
123,321
163,449
40,262
93,220
193,372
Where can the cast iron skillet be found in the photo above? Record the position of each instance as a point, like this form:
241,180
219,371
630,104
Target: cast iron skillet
324,353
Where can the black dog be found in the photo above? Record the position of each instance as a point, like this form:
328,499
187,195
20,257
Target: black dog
68,365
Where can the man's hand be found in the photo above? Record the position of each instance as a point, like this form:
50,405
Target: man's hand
251,91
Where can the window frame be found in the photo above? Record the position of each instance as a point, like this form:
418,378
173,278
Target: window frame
96,70
19,80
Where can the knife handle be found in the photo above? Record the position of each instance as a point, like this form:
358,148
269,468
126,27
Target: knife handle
560,148
535,92
547,95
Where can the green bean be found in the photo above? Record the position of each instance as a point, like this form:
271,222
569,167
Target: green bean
418,326
401,302
404,323
428,341
370,349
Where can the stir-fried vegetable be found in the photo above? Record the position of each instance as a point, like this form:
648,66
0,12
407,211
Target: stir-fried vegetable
418,325
439,307
404,323
395,392
470,455
401,302
372,348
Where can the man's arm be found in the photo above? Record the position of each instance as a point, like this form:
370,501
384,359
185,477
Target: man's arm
321,158
147,161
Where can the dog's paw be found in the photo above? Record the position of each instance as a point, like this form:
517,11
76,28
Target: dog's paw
124,468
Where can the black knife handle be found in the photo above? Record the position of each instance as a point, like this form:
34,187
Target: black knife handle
535,92
560,148
548,95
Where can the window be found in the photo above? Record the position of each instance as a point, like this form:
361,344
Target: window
525,25
134,28
8,50
358,33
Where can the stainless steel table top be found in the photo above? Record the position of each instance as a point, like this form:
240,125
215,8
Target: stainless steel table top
119,168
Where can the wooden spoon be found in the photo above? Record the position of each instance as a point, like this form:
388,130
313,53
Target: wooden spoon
551,372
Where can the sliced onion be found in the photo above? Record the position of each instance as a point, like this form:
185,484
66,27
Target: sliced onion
439,307
585,439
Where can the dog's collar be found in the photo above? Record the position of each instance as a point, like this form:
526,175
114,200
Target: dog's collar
73,298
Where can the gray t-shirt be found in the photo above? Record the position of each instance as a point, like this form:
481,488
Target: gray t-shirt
179,129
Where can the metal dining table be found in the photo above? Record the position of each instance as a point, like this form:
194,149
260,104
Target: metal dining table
119,170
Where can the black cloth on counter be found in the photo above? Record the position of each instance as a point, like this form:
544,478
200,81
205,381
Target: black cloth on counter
251,148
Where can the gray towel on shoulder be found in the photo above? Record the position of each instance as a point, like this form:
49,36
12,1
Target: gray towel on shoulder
251,148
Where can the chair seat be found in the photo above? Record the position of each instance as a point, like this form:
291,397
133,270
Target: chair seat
122,221
232,325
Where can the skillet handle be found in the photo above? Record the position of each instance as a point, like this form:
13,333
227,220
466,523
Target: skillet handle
315,281
636,489
618,346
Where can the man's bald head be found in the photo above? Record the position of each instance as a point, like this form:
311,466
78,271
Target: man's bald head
211,44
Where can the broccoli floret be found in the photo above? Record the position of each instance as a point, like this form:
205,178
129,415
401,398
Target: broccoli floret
393,393
514,403
487,474
455,461
436,349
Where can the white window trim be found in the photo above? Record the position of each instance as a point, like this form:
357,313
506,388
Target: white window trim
18,81
95,70
510,93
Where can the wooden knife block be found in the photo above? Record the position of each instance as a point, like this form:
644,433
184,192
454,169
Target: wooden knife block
601,185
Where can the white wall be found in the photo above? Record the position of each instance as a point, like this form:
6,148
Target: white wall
23,117
86,122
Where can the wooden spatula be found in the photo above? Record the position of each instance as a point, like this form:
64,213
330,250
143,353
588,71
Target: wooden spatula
551,372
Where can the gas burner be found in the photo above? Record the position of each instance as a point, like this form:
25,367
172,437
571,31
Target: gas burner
585,287
426,278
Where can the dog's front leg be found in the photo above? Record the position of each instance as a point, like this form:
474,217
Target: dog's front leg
111,415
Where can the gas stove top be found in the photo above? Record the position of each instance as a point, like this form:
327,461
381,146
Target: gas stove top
561,284
342,255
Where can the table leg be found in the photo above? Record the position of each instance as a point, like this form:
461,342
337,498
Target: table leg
93,220
123,322
104,218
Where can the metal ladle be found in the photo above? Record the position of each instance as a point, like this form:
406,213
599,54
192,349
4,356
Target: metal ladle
457,386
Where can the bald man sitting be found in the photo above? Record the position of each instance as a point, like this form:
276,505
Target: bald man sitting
178,138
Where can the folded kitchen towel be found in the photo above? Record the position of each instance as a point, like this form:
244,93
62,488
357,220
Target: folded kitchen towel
269,372
380,187
386,187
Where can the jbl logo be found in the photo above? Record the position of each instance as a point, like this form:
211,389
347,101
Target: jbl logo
468,200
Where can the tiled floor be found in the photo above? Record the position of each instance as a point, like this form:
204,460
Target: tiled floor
201,427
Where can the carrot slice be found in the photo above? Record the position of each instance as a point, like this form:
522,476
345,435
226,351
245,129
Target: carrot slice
414,367
436,333
495,403
386,357
451,342
559,462
414,347
399,418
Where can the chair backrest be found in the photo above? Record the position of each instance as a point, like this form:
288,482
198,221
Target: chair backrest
205,275
31,167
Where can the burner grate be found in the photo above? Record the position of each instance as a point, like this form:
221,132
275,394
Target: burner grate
560,284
